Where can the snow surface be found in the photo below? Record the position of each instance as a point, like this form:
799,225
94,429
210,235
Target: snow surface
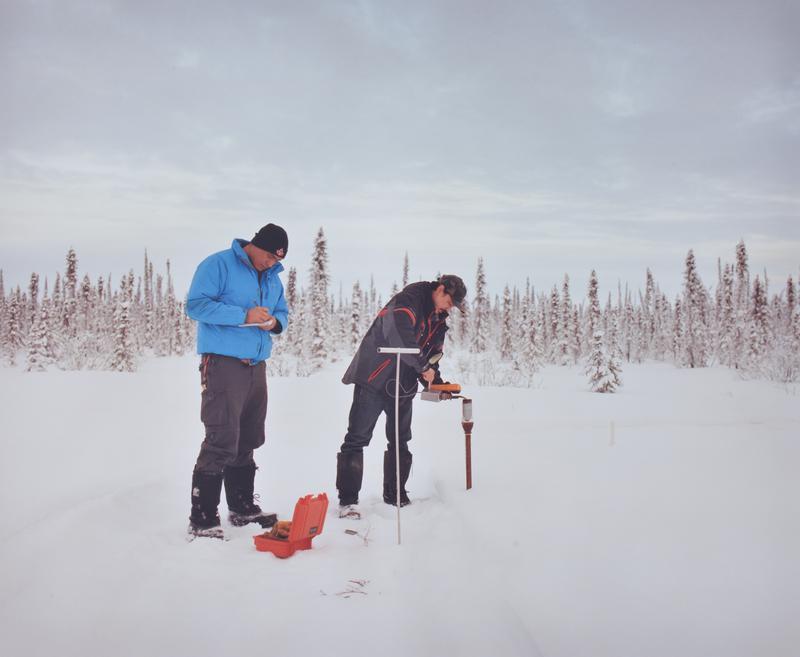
673,532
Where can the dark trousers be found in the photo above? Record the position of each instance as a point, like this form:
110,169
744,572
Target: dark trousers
233,410
364,413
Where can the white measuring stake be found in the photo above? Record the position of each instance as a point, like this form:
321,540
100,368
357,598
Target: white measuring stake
398,351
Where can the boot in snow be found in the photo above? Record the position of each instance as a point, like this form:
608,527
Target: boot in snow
349,471
349,511
390,477
242,508
204,519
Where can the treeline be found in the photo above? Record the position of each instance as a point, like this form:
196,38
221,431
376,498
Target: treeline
88,324
502,340
736,323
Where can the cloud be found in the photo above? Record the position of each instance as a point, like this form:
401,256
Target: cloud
774,104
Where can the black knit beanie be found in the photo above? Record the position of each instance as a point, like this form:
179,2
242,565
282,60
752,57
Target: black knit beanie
272,238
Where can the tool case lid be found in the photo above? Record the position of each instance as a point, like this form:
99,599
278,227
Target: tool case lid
309,517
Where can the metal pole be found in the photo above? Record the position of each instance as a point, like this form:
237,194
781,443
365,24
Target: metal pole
468,445
467,424
397,442
398,351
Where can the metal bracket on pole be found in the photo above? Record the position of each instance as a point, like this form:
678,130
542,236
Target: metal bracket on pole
398,351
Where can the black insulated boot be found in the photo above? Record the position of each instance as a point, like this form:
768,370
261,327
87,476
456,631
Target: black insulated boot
242,508
349,471
204,519
390,477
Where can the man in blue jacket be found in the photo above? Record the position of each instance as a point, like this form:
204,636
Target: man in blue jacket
232,288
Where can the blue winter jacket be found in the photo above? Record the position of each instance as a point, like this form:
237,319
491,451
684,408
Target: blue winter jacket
225,286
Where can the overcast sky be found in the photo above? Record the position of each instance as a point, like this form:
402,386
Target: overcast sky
547,137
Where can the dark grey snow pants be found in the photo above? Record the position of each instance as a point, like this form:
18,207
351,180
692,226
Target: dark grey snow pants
233,410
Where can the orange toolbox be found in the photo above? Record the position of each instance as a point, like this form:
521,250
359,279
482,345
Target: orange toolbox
307,523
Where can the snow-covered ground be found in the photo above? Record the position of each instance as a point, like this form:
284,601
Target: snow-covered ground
675,533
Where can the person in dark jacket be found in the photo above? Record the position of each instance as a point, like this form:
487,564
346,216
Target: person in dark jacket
415,317
234,287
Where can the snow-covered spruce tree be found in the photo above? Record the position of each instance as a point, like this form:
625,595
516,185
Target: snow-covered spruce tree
178,338
452,337
102,321
715,320
606,316
602,366
628,330
794,343
461,334
553,324
495,322
726,313
562,354
189,331
479,326
167,314
355,318
57,300
40,351
663,327
87,341
694,316
340,329
319,312
640,346
649,315
742,302
13,340
520,309
506,330
3,312
69,310
782,361
613,348
742,277
678,346
528,347
372,305
160,344
291,289
33,297
149,310
405,270
602,371
123,359
576,341
593,318
85,304
301,335
759,338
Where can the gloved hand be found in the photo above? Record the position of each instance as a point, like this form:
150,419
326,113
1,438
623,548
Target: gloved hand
281,529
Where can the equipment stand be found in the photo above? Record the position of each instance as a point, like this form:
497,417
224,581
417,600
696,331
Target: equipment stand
468,445
398,351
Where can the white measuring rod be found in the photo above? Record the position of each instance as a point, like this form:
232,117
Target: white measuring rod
398,351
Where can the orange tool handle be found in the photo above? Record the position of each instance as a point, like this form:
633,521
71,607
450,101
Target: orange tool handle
444,387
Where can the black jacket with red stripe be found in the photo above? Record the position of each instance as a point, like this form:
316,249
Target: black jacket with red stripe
408,320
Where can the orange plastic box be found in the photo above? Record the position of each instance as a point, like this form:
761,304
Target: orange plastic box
307,522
